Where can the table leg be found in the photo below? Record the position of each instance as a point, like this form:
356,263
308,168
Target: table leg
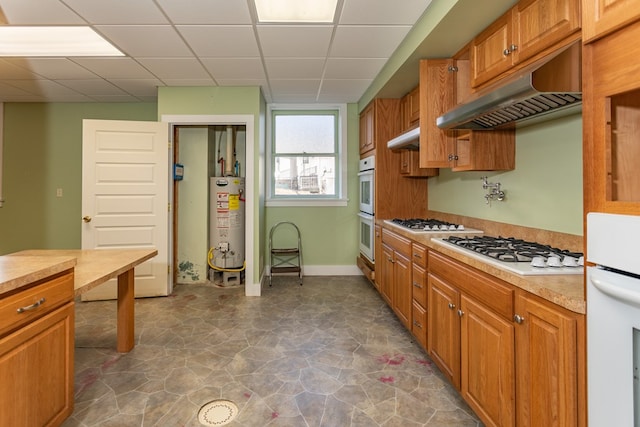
126,319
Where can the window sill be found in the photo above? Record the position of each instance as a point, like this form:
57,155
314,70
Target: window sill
305,202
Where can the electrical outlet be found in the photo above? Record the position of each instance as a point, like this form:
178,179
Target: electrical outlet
59,192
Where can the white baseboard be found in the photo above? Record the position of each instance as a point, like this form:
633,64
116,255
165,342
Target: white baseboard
326,270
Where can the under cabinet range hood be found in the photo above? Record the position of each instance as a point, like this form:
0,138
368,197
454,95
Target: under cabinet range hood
408,140
549,86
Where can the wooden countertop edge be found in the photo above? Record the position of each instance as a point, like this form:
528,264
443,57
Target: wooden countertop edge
566,291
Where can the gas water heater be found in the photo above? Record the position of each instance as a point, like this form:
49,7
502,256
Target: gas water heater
227,228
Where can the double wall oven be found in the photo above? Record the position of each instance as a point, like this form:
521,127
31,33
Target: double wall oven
366,217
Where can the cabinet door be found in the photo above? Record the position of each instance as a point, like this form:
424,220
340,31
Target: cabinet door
377,275
402,293
36,371
367,122
491,52
485,150
436,98
546,356
487,365
386,273
611,113
444,328
413,107
539,24
600,17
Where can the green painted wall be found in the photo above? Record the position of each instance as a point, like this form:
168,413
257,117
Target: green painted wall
329,234
544,191
43,152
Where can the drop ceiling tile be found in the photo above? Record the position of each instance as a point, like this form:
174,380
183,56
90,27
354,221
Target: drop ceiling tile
221,40
242,82
353,68
367,41
175,68
286,41
206,11
189,82
138,87
38,12
146,41
8,89
52,68
92,87
47,88
10,70
234,68
115,98
294,68
295,87
405,12
115,68
342,90
118,11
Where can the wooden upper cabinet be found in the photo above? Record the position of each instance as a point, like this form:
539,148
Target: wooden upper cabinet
526,30
490,50
367,128
410,110
436,98
611,114
601,17
540,24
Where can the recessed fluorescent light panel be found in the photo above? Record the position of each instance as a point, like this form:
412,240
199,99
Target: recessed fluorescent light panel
53,41
296,11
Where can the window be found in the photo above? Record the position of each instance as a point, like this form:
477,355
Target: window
306,147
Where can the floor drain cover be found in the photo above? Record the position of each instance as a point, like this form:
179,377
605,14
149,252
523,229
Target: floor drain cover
217,413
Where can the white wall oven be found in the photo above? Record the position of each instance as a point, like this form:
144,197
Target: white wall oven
367,203
613,320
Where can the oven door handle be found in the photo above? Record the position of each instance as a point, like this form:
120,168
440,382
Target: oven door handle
366,173
621,293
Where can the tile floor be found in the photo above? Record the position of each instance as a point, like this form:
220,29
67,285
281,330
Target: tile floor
328,353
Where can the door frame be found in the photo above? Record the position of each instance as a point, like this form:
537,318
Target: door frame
247,120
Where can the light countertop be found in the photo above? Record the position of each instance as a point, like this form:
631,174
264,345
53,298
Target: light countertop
17,272
563,290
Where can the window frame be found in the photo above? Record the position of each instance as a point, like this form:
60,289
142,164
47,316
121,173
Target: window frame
340,198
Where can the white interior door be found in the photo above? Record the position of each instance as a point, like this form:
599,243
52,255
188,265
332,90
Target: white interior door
125,198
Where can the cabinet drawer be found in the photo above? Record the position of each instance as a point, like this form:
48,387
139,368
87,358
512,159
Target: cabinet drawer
484,288
419,255
419,285
398,243
419,324
24,306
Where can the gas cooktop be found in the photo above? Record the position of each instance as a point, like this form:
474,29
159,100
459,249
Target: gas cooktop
517,255
421,226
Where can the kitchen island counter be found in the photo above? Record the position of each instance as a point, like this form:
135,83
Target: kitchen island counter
563,290
18,272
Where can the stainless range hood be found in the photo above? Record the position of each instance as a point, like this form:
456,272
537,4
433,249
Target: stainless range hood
408,140
550,86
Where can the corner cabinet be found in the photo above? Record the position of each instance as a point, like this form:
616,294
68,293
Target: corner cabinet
611,113
36,354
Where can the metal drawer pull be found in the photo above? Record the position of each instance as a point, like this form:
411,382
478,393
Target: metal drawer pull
417,285
32,306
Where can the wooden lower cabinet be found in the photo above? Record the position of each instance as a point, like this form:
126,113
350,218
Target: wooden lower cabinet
444,328
546,357
514,357
396,275
36,354
385,274
487,363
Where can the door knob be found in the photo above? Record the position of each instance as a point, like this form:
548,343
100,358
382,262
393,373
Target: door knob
86,218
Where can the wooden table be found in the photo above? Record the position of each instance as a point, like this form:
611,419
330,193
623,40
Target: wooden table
95,267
